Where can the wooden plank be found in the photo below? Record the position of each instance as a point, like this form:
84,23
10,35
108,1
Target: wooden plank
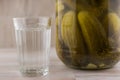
9,69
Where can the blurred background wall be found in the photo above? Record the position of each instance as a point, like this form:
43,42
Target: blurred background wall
22,8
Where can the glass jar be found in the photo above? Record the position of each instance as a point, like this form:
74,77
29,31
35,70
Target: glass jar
88,33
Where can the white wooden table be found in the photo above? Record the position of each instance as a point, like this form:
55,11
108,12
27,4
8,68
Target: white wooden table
58,71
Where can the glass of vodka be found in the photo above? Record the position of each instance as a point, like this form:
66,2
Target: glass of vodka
33,37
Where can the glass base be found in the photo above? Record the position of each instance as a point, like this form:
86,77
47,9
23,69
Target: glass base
32,72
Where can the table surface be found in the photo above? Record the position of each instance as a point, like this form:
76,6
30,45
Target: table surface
58,71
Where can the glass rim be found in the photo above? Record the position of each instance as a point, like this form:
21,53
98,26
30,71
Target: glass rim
21,22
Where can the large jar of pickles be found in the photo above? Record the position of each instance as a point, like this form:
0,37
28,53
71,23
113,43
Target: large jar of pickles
88,33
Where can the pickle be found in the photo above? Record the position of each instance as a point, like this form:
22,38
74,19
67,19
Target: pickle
68,29
93,33
112,26
62,49
72,37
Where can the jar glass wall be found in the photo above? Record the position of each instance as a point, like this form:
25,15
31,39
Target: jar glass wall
88,33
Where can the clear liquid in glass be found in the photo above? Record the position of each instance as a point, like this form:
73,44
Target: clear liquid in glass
33,46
